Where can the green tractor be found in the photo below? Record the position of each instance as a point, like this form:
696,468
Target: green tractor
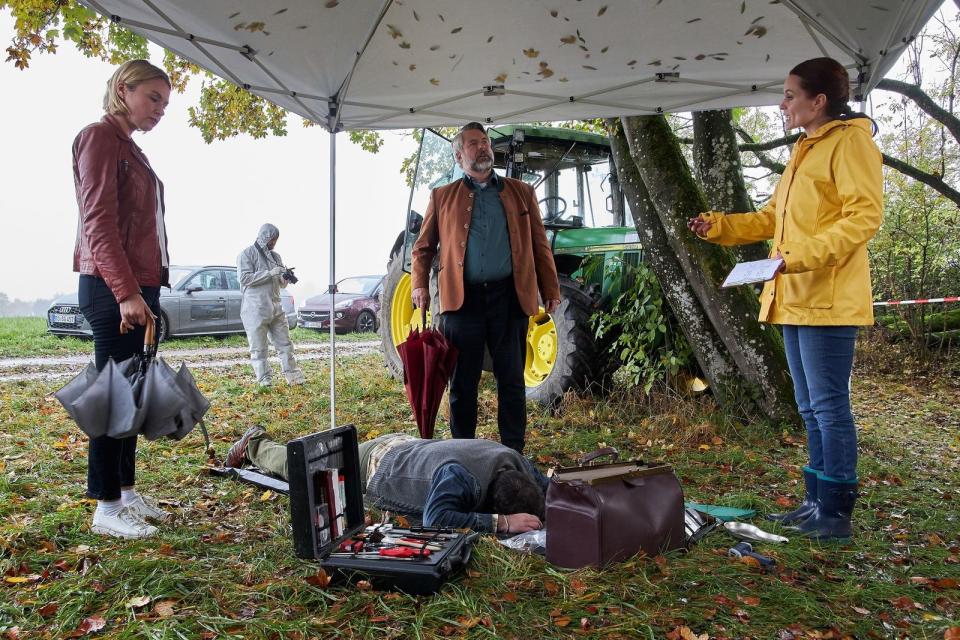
584,214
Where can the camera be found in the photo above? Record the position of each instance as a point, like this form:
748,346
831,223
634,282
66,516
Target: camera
288,276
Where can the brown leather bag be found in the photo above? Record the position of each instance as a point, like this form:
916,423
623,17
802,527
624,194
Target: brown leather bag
608,512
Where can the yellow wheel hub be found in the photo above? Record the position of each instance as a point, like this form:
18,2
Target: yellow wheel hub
404,317
541,349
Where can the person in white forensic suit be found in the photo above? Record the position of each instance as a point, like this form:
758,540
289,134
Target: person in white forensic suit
261,275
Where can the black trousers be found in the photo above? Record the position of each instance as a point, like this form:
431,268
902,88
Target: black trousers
490,317
111,462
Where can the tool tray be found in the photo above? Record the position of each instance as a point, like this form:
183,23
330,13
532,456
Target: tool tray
326,511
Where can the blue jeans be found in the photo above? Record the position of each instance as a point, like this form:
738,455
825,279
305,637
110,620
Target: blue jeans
820,360
111,461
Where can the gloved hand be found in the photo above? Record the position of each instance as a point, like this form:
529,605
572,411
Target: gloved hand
276,271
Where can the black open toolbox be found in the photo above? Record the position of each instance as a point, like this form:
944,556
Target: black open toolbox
317,461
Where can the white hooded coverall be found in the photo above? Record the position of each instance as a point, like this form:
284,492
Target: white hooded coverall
260,308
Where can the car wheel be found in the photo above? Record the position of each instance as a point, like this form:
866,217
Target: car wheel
163,327
366,322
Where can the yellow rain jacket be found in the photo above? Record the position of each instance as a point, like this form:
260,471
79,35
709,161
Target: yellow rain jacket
827,205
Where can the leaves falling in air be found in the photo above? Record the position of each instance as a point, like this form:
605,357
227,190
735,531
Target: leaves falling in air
756,30
415,16
279,11
404,45
602,11
233,15
490,39
330,4
501,78
743,6
654,63
586,66
456,30
434,82
434,47
568,39
692,20
412,67
531,52
554,13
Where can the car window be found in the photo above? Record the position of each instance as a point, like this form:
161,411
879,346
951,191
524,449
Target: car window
177,274
232,282
206,280
361,285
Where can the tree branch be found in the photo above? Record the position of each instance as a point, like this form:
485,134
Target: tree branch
925,102
933,181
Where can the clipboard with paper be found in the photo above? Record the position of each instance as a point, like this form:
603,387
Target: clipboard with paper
753,272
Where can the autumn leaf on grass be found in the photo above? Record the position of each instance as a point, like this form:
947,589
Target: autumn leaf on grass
509,596
164,609
266,495
48,609
784,501
953,633
88,626
319,579
137,602
906,603
562,621
685,633
364,585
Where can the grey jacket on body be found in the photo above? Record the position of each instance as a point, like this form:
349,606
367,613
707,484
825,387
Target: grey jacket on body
426,478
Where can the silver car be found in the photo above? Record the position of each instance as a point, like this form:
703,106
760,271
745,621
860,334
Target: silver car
201,301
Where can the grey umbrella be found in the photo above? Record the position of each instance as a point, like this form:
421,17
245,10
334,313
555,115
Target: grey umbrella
140,395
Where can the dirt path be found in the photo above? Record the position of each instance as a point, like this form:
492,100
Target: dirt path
55,367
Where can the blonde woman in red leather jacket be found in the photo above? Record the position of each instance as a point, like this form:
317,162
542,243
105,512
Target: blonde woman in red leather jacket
121,256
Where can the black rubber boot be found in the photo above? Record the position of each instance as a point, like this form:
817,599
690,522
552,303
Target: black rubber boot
806,508
831,519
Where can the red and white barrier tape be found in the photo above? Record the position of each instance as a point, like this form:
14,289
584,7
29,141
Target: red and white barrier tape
892,303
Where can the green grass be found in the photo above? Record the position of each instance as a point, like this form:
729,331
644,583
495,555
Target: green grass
226,566
28,337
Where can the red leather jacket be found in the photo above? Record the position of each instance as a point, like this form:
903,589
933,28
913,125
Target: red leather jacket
117,197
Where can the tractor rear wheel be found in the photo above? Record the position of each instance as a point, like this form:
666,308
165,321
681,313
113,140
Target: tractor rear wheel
398,317
561,351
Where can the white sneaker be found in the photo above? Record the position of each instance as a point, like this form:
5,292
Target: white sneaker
147,509
125,524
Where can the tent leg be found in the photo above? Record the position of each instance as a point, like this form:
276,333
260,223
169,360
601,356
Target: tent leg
333,280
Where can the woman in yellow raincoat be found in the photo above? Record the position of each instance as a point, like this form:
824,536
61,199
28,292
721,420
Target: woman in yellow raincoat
827,205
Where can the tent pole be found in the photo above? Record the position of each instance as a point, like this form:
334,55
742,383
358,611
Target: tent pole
333,279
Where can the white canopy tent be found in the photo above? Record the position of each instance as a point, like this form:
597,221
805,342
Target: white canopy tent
380,64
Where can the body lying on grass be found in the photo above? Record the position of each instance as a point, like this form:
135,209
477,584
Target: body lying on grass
472,484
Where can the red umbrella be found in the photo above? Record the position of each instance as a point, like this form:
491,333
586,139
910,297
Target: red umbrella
428,360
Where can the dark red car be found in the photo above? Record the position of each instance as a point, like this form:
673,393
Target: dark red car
355,308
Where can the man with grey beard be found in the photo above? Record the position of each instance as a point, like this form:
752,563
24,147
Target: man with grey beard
494,262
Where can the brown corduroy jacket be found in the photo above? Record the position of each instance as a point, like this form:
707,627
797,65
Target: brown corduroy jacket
447,224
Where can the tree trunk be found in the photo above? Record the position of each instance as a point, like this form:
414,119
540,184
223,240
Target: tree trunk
707,346
757,350
716,159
